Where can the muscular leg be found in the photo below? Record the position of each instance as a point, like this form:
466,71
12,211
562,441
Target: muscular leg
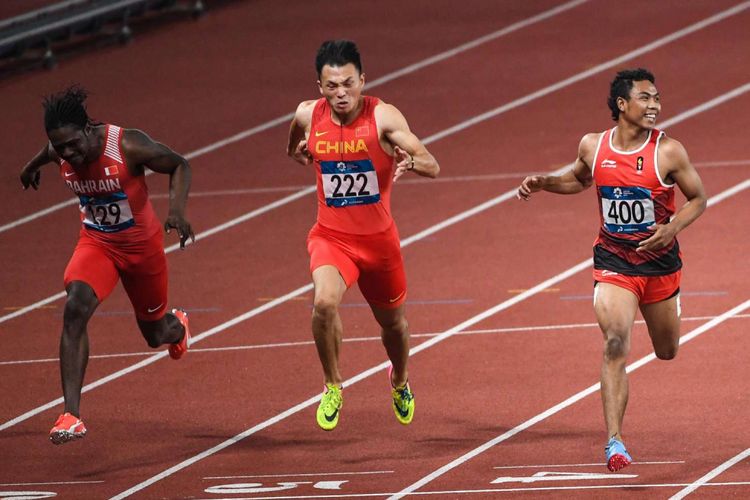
326,322
166,330
395,336
615,309
74,342
663,321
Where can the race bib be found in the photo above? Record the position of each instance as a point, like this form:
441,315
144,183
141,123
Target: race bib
109,214
347,183
627,209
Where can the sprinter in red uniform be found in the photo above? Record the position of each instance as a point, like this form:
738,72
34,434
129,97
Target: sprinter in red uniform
120,237
359,146
637,262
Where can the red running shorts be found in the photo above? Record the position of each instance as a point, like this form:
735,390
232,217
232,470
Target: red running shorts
374,261
648,289
142,268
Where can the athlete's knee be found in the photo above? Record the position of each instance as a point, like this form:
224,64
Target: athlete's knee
615,348
396,326
76,313
325,308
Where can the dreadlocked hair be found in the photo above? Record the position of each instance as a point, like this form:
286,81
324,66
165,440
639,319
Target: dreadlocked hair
66,108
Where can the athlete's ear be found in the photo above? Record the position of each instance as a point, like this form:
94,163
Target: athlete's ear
362,80
621,103
320,87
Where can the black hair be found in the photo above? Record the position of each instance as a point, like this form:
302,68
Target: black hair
337,53
66,108
623,84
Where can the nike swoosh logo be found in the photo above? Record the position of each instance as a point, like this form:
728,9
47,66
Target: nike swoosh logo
68,174
401,412
318,134
155,308
398,297
333,416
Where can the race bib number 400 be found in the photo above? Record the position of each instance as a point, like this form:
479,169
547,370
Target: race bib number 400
627,209
108,214
347,183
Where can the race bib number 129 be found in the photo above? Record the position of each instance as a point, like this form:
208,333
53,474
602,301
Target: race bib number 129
108,214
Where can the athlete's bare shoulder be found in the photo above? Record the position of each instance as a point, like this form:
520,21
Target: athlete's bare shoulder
672,155
303,115
389,118
587,147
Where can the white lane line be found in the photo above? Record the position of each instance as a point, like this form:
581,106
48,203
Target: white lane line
382,366
304,474
443,179
502,109
305,343
559,407
599,464
705,479
596,69
221,227
50,483
378,81
481,491
306,288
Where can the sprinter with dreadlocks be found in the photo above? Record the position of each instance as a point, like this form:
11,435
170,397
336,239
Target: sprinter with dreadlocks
120,236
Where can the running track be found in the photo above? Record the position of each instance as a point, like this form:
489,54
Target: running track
512,103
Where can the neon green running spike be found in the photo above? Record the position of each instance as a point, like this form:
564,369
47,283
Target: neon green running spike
403,404
330,404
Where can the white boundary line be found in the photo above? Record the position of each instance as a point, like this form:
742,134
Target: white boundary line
495,491
497,111
705,479
378,81
419,180
556,329
382,366
221,227
304,474
559,407
306,288
554,466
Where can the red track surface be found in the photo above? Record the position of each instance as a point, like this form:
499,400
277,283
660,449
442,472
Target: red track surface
248,64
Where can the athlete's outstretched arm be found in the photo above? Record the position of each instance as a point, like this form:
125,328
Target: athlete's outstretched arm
573,181
31,174
299,128
411,155
673,156
143,152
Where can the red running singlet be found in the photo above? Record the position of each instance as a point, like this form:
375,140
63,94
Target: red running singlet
114,205
353,173
632,197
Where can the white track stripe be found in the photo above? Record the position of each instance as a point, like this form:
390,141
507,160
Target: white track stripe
304,474
450,179
221,227
705,479
517,103
562,466
485,491
304,343
294,293
378,81
382,366
560,406
308,287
